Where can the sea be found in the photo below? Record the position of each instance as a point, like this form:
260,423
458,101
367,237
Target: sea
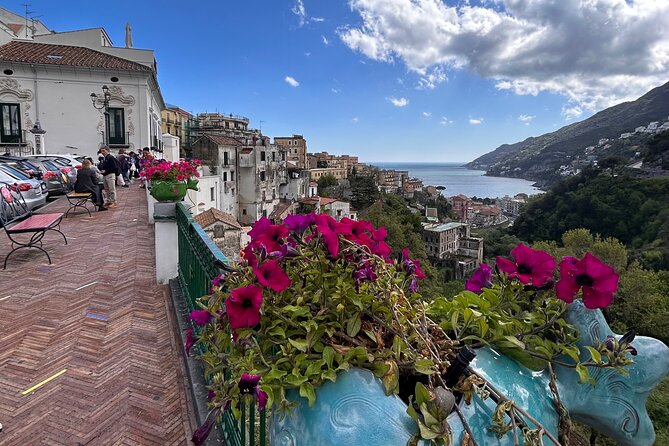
457,179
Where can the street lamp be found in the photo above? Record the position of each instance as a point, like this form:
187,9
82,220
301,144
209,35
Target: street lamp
106,96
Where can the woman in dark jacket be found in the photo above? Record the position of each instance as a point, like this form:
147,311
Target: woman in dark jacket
87,181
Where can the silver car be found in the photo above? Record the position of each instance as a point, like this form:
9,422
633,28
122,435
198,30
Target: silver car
33,191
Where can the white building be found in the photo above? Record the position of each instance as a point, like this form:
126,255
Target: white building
48,77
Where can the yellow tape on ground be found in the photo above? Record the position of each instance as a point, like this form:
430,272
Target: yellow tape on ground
40,384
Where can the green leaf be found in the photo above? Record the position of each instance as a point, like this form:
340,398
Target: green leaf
422,394
328,355
314,368
515,342
300,344
353,325
583,374
594,354
274,374
330,375
424,366
391,378
295,381
307,391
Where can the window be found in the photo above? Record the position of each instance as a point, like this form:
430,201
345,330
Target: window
212,193
232,191
116,126
262,156
10,125
226,161
273,156
283,156
225,176
232,176
262,176
244,211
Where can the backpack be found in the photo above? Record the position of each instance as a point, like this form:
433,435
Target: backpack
117,165
125,163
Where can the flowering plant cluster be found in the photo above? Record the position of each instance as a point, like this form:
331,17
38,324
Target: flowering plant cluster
314,296
164,170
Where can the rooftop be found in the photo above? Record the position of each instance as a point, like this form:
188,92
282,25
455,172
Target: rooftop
102,331
442,227
65,55
213,215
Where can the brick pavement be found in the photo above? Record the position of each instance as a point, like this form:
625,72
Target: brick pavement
98,313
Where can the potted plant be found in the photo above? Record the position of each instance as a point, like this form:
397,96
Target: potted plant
170,180
317,303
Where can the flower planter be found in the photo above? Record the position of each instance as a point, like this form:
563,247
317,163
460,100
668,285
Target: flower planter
356,410
168,191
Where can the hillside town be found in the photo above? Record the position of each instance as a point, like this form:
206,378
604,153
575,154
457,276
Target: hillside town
111,95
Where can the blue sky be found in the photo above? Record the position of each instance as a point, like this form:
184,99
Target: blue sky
390,80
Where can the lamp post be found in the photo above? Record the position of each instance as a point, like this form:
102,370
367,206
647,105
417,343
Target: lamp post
106,96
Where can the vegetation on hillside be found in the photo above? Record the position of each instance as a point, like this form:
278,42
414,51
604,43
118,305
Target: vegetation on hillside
633,210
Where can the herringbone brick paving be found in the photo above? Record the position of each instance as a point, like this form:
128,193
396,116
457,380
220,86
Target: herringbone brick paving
124,379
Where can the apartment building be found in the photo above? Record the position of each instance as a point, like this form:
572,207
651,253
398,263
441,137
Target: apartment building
451,245
296,150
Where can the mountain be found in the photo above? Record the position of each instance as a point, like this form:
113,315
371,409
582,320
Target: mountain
539,158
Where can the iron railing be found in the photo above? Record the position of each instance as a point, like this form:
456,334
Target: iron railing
199,262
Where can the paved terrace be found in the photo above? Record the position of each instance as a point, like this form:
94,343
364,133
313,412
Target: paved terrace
97,314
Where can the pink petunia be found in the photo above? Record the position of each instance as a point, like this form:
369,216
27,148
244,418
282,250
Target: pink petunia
482,278
597,280
531,265
243,306
330,229
200,317
270,274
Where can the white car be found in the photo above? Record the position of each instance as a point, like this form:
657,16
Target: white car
69,163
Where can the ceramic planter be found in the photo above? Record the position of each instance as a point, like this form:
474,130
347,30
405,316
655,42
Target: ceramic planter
354,410
192,183
168,191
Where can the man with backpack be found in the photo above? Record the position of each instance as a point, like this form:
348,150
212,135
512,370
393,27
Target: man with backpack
109,167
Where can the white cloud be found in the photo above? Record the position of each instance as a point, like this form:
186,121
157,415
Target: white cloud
595,52
399,102
307,54
325,40
292,81
334,90
430,79
355,120
526,119
475,121
445,121
426,114
571,112
299,10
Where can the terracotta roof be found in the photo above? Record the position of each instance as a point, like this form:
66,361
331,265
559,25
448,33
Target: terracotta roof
314,200
73,56
213,215
280,209
222,140
15,27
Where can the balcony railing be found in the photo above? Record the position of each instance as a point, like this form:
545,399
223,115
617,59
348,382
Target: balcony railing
200,261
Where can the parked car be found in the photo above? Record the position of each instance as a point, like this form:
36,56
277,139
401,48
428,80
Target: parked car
55,179
31,189
23,164
66,163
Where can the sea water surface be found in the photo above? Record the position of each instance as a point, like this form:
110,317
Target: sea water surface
459,180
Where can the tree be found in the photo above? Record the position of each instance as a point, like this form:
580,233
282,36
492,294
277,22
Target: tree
324,182
363,191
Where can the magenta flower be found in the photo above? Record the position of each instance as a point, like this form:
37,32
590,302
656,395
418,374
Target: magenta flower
298,222
248,385
330,229
412,266
218,280
271,275
482,278
243,306
249,255
259,227
190,340
272,237
202,432
597,280
200,317
531,265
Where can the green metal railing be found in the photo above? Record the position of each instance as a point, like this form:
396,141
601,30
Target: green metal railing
200,261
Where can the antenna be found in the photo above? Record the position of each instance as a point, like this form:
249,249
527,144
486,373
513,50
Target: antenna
28,17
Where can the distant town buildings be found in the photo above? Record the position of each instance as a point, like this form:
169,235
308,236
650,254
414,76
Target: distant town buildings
177,123
296,150
226,232
337,209
451,245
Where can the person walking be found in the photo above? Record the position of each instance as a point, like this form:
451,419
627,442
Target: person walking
124,162
87,182
109,169
147,157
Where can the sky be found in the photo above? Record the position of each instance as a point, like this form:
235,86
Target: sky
391,80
